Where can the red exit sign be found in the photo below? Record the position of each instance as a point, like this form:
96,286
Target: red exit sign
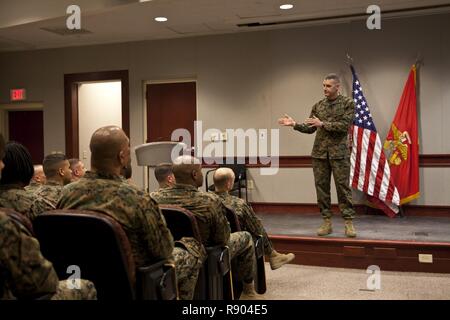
18,94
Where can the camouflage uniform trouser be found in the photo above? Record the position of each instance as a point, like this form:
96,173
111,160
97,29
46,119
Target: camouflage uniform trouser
65,291
322,175
242,254
251,223
189,256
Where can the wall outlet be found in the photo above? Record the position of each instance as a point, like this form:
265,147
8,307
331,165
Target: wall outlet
250,184
425,258
84,155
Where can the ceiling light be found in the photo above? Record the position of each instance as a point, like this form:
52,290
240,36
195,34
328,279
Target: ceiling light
161,19
286,6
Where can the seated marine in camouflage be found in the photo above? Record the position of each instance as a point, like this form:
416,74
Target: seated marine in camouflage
104,190
38,178
164,176
211,218
16,175
223,183
24,272
58,173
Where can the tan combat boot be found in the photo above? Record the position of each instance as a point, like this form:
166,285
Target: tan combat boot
277,259
325,228
349,229
249,293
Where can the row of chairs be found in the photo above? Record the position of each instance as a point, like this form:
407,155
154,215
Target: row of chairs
97,246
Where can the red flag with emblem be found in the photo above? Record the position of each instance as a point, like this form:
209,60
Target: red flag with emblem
402,143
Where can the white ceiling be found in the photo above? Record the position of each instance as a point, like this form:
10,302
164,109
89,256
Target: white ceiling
23,22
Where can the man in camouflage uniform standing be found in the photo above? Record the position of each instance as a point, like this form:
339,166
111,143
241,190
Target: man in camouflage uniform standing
24,272
104,190
15,176
223,183
330,118
211,218
58,173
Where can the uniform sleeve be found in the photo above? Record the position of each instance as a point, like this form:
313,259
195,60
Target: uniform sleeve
30,275
342,124
221,232
159,239
304,128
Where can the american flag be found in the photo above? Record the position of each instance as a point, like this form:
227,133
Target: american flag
369,171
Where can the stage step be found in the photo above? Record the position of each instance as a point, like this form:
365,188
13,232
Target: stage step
390,255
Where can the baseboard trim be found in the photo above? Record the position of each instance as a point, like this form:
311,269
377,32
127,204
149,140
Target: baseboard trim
309,208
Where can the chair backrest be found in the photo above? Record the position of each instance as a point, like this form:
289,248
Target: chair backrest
94,243
153,153
19,218
233,220
181,222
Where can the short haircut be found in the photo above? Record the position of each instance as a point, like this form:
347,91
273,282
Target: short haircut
18,164
222,176
73,162
333,76
52,163
162,171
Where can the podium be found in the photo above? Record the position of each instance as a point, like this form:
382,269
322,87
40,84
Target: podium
153,153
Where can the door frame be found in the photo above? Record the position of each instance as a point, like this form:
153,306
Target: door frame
17,106
71,82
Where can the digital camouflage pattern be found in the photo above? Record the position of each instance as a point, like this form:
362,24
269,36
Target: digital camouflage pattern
25,273
207,208
189,256
331,140
139,216
22,201
86,291
50,191
134,210
322,176
33,186
331,153
248,219
213,224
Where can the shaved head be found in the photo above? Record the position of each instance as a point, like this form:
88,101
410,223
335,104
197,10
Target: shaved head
188,170
110,150
223,179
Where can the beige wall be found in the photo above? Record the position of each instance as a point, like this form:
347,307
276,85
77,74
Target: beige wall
248,80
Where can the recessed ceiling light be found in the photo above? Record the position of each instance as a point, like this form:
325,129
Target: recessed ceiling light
161,19
286,6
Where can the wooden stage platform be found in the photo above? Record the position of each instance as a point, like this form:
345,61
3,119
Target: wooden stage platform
415,244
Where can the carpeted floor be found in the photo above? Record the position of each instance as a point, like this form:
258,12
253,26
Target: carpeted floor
297,282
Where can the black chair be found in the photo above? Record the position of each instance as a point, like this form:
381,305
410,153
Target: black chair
215,276
240,179
97,244
260,280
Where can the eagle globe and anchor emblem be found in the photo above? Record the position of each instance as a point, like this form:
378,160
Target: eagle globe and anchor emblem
398,146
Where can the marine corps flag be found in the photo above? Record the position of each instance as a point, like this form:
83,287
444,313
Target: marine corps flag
402,143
